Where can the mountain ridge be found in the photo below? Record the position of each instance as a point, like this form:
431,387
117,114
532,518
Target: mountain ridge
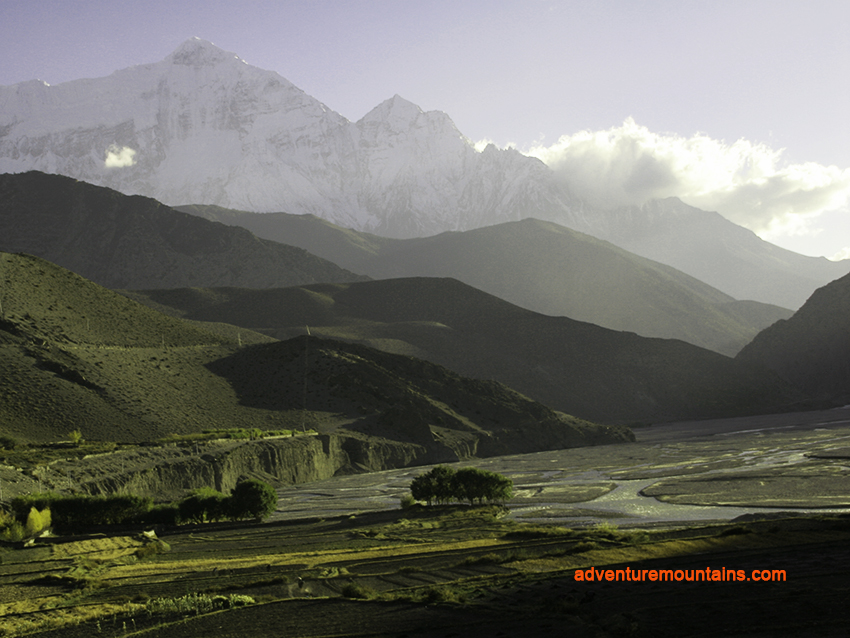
537,265
575,367
79,356
811,349
204,127
122,241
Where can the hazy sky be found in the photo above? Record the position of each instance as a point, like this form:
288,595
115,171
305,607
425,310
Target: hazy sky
739,106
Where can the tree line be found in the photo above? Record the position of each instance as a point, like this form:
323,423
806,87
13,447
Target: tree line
443,485
250,499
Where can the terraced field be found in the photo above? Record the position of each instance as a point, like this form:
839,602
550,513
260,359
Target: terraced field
423,572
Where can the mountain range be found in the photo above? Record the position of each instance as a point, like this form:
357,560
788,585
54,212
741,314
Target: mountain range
204,127
538,265
131,242
78,356
486,267
575,367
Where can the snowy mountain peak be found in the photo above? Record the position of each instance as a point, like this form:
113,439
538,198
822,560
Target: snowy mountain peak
397,112
399,116
202,126
197,52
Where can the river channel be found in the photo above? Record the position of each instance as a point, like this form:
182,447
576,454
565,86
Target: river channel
674,474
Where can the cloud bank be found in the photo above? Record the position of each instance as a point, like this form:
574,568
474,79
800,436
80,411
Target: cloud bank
745,182
119,156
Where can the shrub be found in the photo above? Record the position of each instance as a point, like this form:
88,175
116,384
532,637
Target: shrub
204,505
161,514
76,438
407,501
8,443
252,499
197,603
77,510
13,532
37,521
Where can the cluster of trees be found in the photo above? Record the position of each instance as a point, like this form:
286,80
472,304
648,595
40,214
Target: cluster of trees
251,499
12,529
443,485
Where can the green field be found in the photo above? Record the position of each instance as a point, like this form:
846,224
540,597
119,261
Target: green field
422,572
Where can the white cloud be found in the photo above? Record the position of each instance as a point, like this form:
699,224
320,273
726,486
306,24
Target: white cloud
119,157
480,145
844,253
747,183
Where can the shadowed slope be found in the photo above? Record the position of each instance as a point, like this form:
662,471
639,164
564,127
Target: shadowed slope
78,356
811,349
575,367
136,242
537,265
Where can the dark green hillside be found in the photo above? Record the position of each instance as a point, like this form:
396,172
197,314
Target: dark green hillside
574,367
811,349
136,242
536,265
401,398
77,356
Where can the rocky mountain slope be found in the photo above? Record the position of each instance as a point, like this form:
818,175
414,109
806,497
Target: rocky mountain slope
120,241
720,253
204,127
811,349
575,367
78,356
540,266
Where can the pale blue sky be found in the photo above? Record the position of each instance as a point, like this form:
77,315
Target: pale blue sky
775,72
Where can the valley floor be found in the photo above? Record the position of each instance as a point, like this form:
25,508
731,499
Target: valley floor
676,474
341,558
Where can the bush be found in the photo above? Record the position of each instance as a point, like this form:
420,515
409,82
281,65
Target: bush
161,514
84,510
196,603
37,521
356,590
252,499
204,505
13,532
16,529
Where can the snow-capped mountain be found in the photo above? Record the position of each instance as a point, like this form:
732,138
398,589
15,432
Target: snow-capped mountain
203,126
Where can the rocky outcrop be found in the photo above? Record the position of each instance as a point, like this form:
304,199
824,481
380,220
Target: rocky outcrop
169,472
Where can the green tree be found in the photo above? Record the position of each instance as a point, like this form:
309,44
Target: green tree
435,485
204,505
252,499
443,484
469,484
